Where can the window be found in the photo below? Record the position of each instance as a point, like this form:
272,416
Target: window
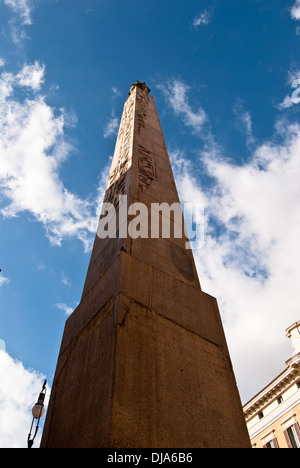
280,400
270,441
272,444
292,436
260,415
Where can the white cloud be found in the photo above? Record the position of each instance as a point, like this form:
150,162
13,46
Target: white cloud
3,280
65,308
2,62
116,92
41,266
23,8
33,146
202,19
19,389
176,94
295,10
244,123
65,280
286,103
251,257
22,13
111,127
32,76
6,86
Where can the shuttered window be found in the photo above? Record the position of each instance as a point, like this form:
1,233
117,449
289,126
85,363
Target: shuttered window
292,436
272,443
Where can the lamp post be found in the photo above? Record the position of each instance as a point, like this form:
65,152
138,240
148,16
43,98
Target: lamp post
37,412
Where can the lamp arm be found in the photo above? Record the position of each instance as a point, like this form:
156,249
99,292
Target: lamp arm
29,440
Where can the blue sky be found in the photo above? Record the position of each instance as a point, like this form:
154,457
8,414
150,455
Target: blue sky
221,73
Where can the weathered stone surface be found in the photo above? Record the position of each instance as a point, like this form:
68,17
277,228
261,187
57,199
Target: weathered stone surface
144,360
172,387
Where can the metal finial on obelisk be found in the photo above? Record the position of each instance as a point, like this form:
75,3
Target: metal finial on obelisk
141,85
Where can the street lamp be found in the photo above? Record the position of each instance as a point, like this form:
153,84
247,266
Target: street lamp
37,412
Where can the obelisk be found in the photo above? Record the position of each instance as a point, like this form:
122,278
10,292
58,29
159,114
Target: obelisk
143,361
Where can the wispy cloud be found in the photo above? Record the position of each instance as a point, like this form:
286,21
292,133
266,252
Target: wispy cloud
116,92
3,280
111,127
21,18
295,14
176,94
244,123
33,146
203,19
23,8
286,103
65,308
295,10
65,280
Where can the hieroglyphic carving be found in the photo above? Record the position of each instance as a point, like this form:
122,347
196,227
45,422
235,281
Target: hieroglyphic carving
118,175
147,171
142,107
146,167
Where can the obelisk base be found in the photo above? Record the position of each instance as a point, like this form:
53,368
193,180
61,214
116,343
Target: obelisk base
132,374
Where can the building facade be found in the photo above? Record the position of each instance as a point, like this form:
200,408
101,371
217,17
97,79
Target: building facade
273,415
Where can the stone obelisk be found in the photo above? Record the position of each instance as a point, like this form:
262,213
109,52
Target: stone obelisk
143,360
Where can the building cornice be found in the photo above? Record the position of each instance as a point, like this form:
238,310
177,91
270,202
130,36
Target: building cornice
275,388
